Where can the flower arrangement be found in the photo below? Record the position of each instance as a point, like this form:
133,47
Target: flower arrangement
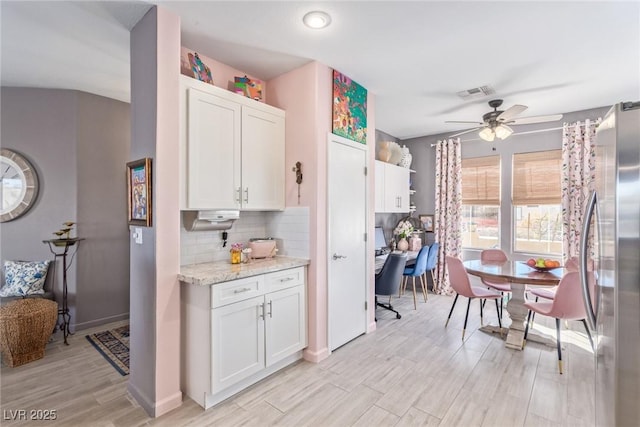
403,229
236,247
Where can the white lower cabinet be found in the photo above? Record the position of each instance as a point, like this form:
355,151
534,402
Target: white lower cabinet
234,338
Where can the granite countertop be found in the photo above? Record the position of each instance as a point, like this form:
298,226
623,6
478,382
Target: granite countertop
210,273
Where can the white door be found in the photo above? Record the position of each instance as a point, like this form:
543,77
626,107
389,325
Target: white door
347,210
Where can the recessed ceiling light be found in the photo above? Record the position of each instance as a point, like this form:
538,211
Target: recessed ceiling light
316,19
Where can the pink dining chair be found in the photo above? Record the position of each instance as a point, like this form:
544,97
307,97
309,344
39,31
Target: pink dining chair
502,286
566,305
572,264
459,279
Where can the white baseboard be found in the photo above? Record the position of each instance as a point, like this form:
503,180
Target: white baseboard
98,322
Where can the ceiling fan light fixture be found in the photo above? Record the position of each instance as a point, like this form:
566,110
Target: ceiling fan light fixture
487,134
503,131
317,19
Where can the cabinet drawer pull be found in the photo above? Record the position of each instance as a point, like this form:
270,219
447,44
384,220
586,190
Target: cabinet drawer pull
239,291
286,279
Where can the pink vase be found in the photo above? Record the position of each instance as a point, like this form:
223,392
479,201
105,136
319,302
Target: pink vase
403,245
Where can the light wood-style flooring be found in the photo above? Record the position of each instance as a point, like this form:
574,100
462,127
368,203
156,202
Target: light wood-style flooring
410,371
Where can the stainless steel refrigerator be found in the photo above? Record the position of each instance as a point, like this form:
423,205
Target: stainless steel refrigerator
611,237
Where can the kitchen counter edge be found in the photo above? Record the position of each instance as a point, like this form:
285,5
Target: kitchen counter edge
211,273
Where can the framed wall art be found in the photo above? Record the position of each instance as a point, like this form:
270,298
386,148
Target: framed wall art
349,108
139,192
427,222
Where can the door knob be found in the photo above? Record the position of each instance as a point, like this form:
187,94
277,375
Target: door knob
336,256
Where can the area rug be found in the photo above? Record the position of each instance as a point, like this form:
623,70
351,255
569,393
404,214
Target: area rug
114,346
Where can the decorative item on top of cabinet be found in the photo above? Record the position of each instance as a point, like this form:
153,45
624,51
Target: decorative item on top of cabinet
231,150
406,157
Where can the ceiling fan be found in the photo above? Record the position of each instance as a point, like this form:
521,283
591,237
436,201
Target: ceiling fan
496,122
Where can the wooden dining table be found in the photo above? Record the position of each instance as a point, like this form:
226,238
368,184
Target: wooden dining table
519,274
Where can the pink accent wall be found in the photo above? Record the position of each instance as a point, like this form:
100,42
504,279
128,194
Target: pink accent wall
155,264
167,219
371,142
222,74
305,95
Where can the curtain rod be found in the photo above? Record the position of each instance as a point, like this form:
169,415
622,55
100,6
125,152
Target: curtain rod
526,133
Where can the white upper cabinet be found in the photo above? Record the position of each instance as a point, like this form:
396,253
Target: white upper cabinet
392,188
262,160
232,150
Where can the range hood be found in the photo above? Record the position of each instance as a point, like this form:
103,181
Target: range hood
209,220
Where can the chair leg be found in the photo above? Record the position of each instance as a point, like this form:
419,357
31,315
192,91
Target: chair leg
526,329
501,298
433,280
424,287
586,328
403,284
499,317
533,316
466,317
559,345
482,302
451,311
387,307
413,282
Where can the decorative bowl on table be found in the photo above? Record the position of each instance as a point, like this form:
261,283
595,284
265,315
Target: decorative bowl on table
549,265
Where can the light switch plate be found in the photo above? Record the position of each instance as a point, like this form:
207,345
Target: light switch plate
137,235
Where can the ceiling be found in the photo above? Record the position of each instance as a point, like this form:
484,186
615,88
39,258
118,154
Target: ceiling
554,57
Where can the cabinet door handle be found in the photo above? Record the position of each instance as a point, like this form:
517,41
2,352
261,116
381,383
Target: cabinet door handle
239,291
271,309
246,195
239,190
261,312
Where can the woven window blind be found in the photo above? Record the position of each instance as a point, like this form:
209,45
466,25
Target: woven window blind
536,178
481,181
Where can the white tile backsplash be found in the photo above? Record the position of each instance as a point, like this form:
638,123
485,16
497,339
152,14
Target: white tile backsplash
290,227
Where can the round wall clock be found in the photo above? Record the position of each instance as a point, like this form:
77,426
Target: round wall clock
18,185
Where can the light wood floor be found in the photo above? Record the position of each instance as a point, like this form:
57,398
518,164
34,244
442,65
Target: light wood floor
410,371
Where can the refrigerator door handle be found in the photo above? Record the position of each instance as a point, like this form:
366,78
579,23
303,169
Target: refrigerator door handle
586,226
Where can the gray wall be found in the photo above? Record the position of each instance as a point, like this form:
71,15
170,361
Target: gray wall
472,146
78,143
103,264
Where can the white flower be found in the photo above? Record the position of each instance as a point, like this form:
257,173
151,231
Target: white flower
403,229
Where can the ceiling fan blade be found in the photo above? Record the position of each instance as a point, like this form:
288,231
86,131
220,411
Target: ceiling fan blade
511,112
459,121
464,132
535,119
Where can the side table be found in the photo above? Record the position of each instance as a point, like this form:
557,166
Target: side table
62,250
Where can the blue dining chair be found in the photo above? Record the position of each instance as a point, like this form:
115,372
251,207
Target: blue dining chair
417,270
432,261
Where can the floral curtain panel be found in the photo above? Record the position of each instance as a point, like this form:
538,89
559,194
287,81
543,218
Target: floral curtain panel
578,180
448,208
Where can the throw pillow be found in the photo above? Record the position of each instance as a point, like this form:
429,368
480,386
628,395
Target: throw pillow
24,278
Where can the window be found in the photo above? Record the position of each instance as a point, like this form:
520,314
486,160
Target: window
536,202
481,202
